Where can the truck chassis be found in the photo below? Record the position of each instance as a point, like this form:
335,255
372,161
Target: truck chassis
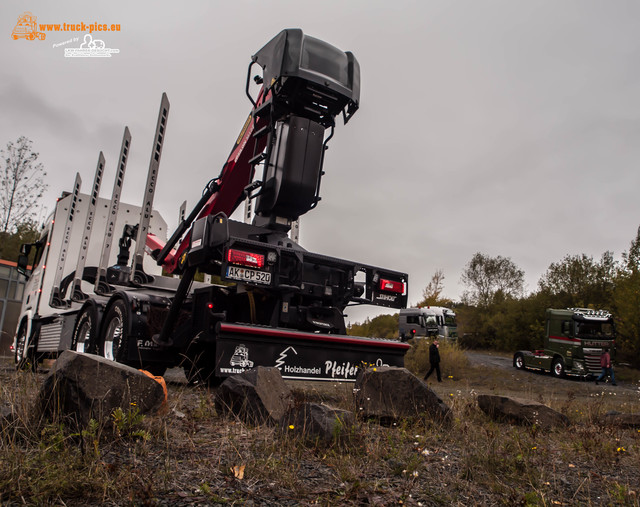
275,304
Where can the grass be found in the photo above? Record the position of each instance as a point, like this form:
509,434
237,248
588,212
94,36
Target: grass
193,456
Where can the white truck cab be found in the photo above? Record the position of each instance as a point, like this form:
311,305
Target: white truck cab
427,321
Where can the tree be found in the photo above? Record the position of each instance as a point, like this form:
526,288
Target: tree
431,293
626,303
382,326
489,278
22,184
631,259
578,280
26,232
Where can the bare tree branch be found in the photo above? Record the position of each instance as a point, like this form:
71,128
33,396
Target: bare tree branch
22,184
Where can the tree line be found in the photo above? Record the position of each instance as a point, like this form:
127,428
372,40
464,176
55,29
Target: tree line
496,313
22,186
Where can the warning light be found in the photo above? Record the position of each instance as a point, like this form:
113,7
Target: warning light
245,258
392,286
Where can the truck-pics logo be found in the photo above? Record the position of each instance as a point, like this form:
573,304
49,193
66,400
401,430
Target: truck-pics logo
26,28
240,357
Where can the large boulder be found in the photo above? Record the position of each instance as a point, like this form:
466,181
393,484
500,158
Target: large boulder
389,393
315,421
520,411
257,396
82,387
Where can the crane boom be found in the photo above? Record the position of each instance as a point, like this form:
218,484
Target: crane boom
306,84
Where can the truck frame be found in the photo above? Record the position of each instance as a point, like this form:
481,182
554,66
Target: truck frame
574,340
274,303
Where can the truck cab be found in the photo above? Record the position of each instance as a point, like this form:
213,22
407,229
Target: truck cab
574,340
427,321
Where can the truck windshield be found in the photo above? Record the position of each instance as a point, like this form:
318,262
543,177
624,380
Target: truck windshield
594,329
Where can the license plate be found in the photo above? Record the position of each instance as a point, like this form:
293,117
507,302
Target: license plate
248,275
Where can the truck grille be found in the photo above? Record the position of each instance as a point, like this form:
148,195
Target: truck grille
50,336
592,362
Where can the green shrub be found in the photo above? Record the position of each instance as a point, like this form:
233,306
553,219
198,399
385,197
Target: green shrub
453,361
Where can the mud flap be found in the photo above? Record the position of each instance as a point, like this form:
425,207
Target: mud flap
299,355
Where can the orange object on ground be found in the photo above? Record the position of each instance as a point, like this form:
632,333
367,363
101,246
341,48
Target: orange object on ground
159,380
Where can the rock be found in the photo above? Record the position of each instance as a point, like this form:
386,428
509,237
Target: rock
621,420
256,396
84,386
520,411
314,421
390,393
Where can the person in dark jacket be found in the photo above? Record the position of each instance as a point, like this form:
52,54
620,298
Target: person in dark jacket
434,360
607,368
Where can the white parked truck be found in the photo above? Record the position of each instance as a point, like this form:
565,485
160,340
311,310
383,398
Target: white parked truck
427,321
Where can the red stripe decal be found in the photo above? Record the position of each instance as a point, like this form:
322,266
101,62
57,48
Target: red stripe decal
565,339
298,335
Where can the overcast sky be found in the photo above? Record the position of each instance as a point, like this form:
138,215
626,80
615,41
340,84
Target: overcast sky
504,127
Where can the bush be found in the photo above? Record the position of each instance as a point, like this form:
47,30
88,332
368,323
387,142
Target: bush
453,361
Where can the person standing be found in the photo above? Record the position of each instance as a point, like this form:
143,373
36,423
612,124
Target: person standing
434,360
607,368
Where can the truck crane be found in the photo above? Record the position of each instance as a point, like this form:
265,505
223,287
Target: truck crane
276,304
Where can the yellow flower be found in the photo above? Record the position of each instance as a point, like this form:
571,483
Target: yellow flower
291,426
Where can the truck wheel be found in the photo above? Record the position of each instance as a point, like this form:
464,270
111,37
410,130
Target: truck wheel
557,368
518,361
114,339
85,331
22,356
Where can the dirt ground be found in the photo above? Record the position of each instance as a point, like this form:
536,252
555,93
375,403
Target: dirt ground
194,457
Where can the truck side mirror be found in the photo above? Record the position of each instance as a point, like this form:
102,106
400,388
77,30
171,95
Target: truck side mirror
566,327
23,262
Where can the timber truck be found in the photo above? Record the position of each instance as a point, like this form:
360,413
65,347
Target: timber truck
574,340
273,304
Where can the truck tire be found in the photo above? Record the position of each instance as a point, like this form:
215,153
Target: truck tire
23,362
114,339
518,361
85,331
557,368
